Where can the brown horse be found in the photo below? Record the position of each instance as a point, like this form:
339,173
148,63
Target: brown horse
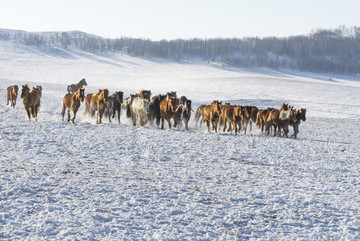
93,102
199,112
238,117
300,116
212,113
31,101
281,120
11,93
72,103
101,104
253,115
261,119
167,111
87,104
226,116
74,87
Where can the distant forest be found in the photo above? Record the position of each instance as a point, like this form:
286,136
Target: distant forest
323,50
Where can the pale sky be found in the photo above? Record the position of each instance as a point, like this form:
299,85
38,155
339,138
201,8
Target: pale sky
170,19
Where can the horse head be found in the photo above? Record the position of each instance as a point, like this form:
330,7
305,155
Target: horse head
83,82
302,114
284,106
16,89
25,90
81,94
217,107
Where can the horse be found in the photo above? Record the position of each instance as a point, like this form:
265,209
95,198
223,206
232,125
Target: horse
72,103
154,108
261,118
87,104
226,116
183,112
199,112
246,116
167,111
127,104
239,113
12,93
93,102
281,119
113,105
31,100
74,87
101,104
300,116
212,113
253,115
139,110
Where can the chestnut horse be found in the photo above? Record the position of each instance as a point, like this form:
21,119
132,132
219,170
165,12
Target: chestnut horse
101,104
74,87
261,119
93,103
167,111
226,116
72,103
212,113
281,119
31,100
11,93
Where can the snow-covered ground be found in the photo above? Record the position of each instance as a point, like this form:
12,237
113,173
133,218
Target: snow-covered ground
109,182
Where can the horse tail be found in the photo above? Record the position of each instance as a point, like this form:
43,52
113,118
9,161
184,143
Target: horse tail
257,122
68,89
197,116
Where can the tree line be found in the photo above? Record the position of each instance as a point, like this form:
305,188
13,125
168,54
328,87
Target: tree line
322,50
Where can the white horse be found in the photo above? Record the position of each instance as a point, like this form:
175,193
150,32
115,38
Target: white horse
139,110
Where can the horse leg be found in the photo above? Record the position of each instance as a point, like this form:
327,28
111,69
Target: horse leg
168,120
208,125
27,109
162,123
73,119
186,124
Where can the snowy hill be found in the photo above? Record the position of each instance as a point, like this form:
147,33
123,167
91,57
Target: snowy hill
87,181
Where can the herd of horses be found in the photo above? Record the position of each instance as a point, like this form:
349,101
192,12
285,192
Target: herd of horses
164,107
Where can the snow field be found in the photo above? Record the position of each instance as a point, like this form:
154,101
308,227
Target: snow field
85,181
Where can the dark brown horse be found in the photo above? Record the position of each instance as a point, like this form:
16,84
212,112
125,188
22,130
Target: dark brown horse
31,100
72,103
183,112
12,93
74,87
300,116
146,94
154,108
113,105
211,115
